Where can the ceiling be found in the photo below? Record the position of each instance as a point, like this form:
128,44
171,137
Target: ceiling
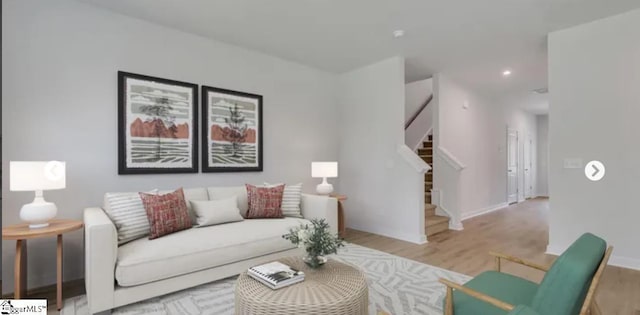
472,40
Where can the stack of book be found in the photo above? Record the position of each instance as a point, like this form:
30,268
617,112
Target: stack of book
276,275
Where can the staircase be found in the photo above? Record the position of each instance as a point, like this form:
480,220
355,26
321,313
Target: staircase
434,224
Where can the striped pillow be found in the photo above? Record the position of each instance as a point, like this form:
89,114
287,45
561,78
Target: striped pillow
128,214
290,199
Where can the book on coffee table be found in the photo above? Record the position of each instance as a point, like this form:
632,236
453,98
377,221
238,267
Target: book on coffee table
276,275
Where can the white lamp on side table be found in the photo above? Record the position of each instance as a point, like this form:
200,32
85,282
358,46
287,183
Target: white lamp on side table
324,170
37,176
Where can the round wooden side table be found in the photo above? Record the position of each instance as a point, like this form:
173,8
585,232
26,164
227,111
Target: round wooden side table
21,233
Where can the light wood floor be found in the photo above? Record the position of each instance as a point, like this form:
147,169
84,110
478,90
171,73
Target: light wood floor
519,230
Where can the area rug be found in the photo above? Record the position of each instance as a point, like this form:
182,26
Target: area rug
396,285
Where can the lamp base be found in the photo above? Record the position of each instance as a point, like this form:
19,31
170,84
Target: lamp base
324,188
38,213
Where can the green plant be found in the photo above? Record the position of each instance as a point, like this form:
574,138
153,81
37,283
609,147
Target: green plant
316,240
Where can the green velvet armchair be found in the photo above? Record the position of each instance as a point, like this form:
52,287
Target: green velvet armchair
568,287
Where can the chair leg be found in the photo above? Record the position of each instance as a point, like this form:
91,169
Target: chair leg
497,264
449,302
595,309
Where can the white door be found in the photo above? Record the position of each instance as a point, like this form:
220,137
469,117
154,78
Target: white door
512,166
528,181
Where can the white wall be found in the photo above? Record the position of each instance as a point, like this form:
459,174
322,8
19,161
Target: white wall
60,60
416,93
542,188
386,195
594,79
476,136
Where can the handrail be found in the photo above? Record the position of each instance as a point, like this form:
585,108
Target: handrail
450,159
418,112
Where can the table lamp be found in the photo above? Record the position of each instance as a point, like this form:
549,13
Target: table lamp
37,176
324,170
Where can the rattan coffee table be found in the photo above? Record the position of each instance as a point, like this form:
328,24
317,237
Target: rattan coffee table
335,288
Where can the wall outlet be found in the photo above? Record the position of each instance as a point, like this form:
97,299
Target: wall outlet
573,163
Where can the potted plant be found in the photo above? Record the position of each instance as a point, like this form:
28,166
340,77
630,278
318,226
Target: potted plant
316,240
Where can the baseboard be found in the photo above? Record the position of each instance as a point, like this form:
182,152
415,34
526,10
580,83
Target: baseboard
485,210
618,261
411,238
457,226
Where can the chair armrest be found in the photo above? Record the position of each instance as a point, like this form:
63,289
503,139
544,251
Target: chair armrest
321,207
478,295
101,252
499,256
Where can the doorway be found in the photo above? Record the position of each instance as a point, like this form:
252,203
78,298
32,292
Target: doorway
512,166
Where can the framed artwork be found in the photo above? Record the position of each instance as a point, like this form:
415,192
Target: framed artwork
157,125
231,131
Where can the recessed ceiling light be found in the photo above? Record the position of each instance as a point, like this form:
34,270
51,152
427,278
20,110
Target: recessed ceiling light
506,73
398,33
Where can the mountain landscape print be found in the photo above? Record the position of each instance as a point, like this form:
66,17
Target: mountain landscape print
232,123
157,125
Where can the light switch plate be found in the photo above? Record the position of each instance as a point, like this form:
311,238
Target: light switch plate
573,163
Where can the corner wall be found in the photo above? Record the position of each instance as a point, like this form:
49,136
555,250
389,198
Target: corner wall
60,60
542,188
594,79
386,195
477,137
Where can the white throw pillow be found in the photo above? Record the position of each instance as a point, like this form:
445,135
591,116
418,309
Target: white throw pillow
128,214
290,199
212,212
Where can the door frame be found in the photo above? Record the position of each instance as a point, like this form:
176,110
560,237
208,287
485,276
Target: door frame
517,159
528,191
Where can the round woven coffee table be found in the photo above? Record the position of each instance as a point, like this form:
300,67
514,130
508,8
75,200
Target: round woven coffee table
334,288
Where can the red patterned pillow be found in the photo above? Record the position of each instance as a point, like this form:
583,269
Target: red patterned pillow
166,213
264,202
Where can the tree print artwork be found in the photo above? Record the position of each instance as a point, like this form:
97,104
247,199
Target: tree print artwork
232,123
157,120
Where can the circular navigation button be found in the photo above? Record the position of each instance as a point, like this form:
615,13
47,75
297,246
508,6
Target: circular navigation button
594,170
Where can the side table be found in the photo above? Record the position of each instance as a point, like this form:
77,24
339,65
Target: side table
21,233
342,228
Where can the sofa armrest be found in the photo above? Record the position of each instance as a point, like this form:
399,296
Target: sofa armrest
101,252
321,207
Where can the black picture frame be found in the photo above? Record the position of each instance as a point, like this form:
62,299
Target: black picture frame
177,131
207,166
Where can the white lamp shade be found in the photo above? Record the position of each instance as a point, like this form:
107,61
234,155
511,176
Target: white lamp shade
33,176
324,169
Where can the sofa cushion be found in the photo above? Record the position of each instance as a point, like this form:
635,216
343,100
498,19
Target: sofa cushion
504,287
127,212
264,202
167,213
212,212
225,192
192,194
143,261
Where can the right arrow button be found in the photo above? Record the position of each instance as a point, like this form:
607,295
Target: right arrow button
594,170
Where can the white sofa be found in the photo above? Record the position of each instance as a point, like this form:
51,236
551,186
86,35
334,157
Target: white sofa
141,269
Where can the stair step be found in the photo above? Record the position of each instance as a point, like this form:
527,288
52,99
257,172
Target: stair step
438,228
429,210
427,152
428,177
436,224
428,186
427,144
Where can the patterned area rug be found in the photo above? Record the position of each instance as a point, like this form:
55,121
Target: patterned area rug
396,286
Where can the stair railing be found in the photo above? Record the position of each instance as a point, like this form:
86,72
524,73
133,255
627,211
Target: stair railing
418,112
